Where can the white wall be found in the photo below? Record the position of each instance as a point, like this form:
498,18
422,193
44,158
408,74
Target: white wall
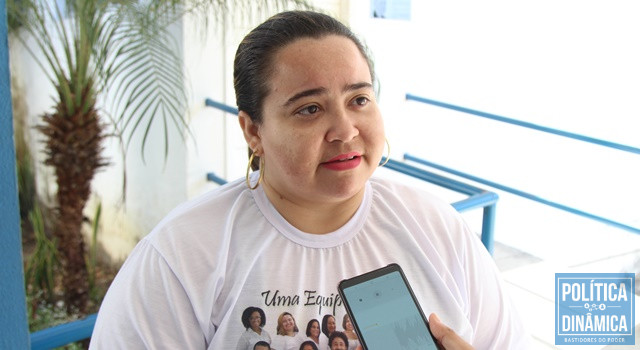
571,65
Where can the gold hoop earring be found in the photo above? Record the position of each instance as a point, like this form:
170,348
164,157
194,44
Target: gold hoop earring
388,153
260,169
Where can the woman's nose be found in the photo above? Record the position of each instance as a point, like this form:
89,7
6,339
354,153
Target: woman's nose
342,127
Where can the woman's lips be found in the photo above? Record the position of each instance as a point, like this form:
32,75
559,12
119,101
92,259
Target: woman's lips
343,162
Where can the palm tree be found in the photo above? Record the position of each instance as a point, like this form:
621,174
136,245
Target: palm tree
109,50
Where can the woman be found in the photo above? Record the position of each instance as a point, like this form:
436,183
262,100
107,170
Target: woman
313,333
287,337
350,332
310,216
253,320
338,341
328,327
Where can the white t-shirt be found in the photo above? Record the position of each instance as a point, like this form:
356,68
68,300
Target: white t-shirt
249,338
285,342
322,345
186,284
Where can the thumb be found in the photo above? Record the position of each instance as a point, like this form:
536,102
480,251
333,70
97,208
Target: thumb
446,336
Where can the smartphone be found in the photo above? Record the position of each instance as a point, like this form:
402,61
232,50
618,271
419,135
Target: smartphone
384,311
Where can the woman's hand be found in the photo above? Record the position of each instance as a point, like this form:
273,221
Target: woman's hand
446,337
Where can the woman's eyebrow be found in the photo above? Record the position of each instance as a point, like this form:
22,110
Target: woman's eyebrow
357,86
322,90
305,93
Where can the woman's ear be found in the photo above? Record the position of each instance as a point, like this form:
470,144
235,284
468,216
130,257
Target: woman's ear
250,130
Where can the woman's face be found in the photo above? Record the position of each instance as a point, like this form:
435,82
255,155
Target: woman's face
307,347
254,320
322,134
338,344
347,325
315,329
331,325
288,324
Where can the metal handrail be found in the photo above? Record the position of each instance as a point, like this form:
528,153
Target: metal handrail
574,136
528,125
63,334
219,105
523,194
215,178
479,198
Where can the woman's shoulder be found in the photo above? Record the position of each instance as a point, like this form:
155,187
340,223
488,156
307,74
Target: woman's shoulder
397,192
204,217
228,193
416,206
211,204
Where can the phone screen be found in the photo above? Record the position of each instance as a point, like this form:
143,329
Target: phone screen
384,311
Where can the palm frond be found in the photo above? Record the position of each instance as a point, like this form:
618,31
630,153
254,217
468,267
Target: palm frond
31,19
223,13
146,77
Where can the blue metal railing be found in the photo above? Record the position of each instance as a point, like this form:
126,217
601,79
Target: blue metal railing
512,190
13,311
523,194
215,178
527,125
232,110
477,196
63,334
211,103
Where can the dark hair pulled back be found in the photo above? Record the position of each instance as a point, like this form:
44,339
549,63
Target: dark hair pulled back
254,58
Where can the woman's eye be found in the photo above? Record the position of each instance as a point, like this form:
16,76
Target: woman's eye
361,100
309,110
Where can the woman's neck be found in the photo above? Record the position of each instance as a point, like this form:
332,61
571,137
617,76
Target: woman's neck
314,217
